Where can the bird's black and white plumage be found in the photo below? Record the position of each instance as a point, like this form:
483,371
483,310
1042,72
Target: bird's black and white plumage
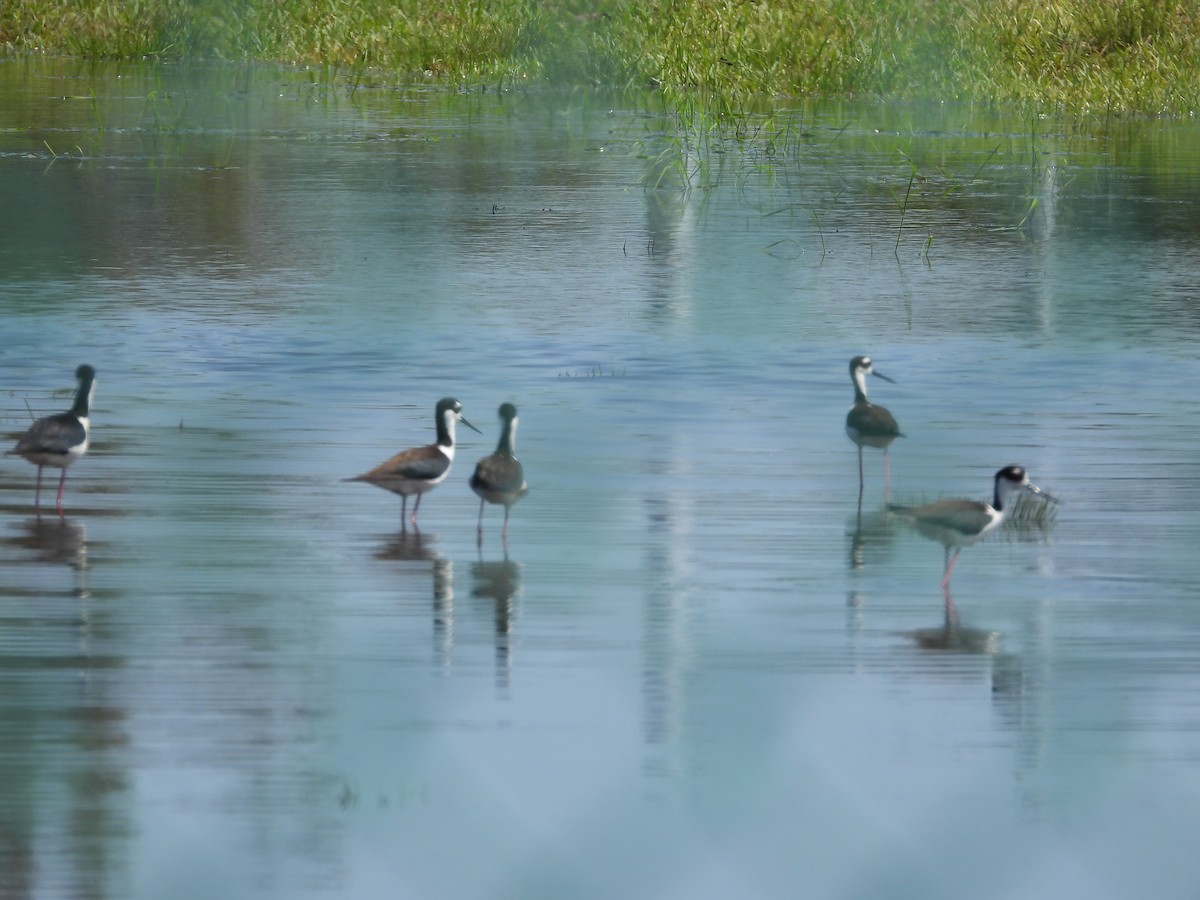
60,439
420,469
499,478
960,523
867,424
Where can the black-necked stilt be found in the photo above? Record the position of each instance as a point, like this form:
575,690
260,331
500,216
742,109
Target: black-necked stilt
61,439
499,478
869,425
961,523
420,469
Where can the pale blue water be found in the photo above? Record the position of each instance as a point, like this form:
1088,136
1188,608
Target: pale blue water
700,672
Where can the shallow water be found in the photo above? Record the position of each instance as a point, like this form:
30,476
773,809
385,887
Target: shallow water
701,669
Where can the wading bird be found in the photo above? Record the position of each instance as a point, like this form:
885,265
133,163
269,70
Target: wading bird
499,478
60,439
869,425
420,469
961,523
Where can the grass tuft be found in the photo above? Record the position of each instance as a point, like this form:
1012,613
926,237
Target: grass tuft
1031,511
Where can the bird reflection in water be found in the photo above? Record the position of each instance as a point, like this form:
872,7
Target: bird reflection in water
499,582
55,540
869,534
407,545
410,545
953,636
59,541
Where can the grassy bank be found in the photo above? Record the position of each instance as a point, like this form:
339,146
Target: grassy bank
1140,56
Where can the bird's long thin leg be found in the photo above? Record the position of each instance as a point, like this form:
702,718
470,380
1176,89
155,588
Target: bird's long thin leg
416,506
62,480
950,566
37,492
403,512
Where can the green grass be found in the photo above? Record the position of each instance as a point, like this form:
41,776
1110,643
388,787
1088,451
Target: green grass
1133,56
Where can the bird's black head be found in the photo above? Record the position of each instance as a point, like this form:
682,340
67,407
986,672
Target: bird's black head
1015,474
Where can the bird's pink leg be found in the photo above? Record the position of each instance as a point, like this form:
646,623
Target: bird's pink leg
950,567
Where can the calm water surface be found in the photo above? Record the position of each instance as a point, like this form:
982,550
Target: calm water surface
701,669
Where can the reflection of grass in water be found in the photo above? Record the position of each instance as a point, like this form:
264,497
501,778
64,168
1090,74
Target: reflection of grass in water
707,131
